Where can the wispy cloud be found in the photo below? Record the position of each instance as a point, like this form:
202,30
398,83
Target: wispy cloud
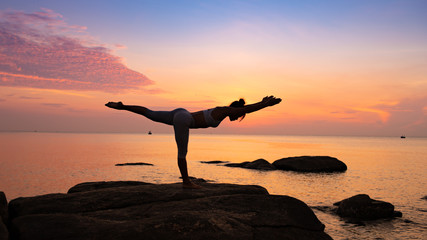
407,113
56,105
29,98
40,50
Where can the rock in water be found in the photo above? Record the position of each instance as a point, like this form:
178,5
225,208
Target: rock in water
134,164
214,162
361,206
259,164
242,164
4,235
311,164
165,211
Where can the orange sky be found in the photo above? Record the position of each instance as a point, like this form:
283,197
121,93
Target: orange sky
352,71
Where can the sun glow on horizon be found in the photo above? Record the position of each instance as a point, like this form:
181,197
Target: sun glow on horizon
337,72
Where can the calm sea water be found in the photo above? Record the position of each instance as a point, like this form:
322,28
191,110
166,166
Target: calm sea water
389,169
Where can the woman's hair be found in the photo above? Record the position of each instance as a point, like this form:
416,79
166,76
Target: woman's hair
240,103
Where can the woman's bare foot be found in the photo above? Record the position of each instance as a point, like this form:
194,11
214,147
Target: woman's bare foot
190,185
115,105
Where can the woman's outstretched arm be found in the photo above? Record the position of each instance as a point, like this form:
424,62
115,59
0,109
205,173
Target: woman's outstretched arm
239,111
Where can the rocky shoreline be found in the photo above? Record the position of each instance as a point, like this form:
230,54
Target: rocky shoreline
133,210
139,210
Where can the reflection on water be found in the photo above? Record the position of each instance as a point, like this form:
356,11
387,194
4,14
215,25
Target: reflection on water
389,169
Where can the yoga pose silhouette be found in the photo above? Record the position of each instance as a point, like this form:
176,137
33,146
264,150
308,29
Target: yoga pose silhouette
182,121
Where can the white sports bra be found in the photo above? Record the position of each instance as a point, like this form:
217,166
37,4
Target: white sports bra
209,119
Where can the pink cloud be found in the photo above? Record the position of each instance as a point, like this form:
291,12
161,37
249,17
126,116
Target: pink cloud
40,50
120,46
408,114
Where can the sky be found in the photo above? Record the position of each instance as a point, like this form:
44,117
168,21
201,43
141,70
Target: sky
347,68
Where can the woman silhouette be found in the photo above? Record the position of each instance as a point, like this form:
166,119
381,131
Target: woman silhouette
182,121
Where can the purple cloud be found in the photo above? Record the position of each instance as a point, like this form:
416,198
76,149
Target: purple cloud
40,50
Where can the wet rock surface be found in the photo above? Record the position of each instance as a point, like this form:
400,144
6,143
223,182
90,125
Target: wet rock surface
163,211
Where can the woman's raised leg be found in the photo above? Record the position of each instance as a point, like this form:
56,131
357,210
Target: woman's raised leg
165,117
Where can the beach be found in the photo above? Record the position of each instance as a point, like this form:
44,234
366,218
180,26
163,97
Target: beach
386,168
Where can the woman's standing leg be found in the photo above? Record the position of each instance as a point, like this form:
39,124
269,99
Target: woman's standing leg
181,124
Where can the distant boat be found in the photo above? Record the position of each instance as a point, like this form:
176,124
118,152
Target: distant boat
149,133
402,136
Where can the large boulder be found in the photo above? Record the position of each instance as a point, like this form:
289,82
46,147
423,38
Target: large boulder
164,211
361,206
260,164
4,235
310,164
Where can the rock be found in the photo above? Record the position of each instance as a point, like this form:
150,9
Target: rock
361,206
90,186
3,207
134,164
4,234
236,164
260,164
300,164
164,211
397,214
310,164
198,180
214,162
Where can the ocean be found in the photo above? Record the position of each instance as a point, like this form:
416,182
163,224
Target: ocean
385,168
